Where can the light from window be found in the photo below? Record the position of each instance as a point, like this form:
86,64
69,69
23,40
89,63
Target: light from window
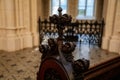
55,6
86,8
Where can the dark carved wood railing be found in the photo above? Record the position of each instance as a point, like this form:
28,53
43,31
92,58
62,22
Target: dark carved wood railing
84,31
57,62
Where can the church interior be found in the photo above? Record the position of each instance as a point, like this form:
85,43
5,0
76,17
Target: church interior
91,29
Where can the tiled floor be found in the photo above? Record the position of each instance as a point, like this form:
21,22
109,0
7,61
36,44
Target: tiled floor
20,65
94,54
24,64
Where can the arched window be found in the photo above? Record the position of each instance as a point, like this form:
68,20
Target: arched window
86,9
55,4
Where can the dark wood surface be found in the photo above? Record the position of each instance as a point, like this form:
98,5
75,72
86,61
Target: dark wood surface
88,62
107,70
94,54
104,65
52,69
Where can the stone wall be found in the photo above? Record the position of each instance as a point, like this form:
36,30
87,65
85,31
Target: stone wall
18,24
71,8
115,38
111,39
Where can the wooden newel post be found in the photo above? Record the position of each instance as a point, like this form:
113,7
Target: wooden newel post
57,61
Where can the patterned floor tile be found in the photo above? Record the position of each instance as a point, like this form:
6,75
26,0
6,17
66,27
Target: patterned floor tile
19,65
24,64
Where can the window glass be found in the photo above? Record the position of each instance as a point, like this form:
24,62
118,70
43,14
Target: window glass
82,2
90,2
55,6
86,8
89,11
64,6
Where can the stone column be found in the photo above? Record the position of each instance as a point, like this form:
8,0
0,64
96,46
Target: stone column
34,22
115,38
18,24
27,38
109,20
0,15
40,9
73,8
2,26
1,23
10,36
98,9
46,8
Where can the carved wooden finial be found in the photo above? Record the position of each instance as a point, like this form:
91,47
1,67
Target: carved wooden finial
60,20
58,48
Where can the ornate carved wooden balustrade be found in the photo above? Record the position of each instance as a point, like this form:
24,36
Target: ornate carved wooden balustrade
84,31
57,62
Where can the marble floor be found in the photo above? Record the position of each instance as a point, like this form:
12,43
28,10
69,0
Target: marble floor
24,64
19,65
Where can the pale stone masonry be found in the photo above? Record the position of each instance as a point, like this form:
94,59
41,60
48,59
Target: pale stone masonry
24,64
18,22
111,38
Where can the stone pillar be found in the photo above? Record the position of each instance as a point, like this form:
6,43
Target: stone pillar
18,24
40,9
73,8
109,20
9,27
46,10
98,9
1,23
115,38
27,38
34,22
20,28
2,26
